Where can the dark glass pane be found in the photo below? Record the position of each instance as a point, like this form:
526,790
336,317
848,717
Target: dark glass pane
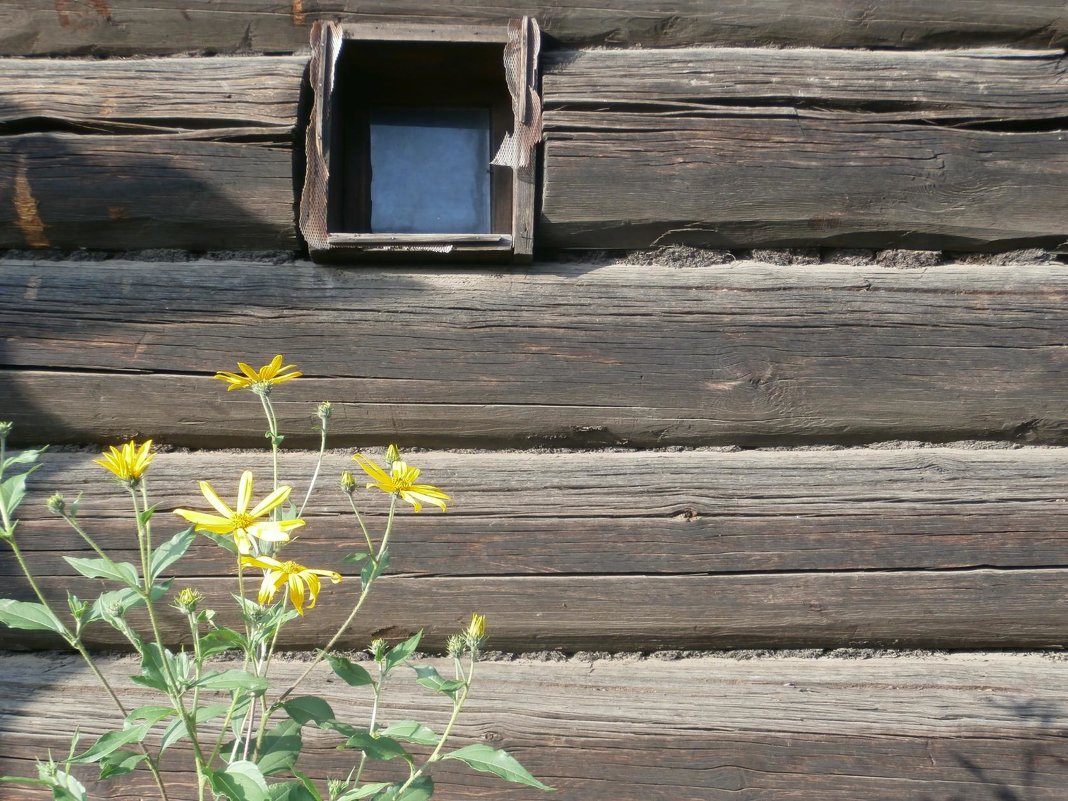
430,170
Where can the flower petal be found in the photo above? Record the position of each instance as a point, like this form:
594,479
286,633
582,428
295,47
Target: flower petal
275,499
244,492
205,519
212,497
296,593
313,586
373,470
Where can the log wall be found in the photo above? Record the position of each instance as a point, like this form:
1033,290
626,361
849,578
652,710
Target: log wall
648,454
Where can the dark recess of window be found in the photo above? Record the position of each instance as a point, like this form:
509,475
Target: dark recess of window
422,142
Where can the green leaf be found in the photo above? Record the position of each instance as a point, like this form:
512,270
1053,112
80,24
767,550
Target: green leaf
351,673
28,456
222,639
13,490
280,749
122,572
363,792
485,759
411,731
373,570
398,653
112,742
120,763
150,714
145,516
292,791
430,678
419,790
153,673
240,781
177,730
170,552
307,709
233,680
224,542
355,558
375,747
309,785
29,616
64,786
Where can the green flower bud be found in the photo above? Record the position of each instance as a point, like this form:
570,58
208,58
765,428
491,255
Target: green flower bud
187,600
378,649
393,454
348,483
456,645
5,428
335,787
325,410
56,504
475,634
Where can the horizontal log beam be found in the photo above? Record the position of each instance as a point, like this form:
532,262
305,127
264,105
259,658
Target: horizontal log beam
779,181
132,27
73,191
154,94
965,609
615,512
891,728
620,353
962,86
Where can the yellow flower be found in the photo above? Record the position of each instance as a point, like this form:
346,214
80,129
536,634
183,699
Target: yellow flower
259,380
401,480
300,579
129,462
477,627
241,522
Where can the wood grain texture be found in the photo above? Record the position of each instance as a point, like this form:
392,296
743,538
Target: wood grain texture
560,354
154,95
771,180
964,609
105,192
132,27
962,86
904,728
617,512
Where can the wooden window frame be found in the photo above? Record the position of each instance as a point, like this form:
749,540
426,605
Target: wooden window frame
336,189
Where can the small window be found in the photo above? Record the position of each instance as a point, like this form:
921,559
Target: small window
422,141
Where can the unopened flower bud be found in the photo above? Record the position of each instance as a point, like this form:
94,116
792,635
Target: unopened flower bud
187,600
335,787
393,454
348,483
475,635
378,649
56,504
78,608
5,428
456,645
325,410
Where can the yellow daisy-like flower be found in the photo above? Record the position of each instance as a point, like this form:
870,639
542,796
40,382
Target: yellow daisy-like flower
301,580
244,524
259,380
128,462
401,479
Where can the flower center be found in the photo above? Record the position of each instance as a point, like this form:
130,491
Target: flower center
290,567
242,521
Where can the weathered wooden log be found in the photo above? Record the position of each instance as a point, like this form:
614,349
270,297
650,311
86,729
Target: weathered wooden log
962,609
154,95
130,27
968,87
118,192
891,728
561,354
613,512
783,181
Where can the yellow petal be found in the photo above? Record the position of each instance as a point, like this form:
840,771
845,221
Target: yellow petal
217,503
206,520
262,562
275,499
371,469
269,531
296,594
248,371
244,492
267,590
313,586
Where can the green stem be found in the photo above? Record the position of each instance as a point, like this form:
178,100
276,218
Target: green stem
321,655
318,466
144,542
435,755
262,671
374,717
272,425
81,532
77,645
363,526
